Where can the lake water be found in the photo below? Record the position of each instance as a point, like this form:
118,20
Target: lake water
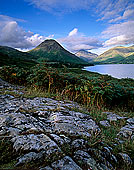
115,70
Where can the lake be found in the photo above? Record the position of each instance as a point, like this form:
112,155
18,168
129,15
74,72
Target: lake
115,70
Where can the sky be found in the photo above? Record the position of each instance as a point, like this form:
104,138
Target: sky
93,25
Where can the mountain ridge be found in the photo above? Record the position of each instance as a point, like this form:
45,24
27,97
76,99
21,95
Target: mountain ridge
117,55
85,55
52,51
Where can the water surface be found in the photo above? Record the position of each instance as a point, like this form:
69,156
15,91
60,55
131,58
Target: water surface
115,70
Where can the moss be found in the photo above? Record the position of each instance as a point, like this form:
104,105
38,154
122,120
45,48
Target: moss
8,156
9,165
66,149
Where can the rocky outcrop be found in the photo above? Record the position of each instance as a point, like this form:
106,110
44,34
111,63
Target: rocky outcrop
52,136
127,131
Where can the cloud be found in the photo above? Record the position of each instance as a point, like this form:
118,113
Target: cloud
117,14
35,39
11,34
76,41
73,32
99,50
105,9
60,6
113,10
128,14
119,34
120,15
14,36
5,18
121,39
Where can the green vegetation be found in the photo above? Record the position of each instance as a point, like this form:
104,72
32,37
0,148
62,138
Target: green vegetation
91,89
10,56
7,155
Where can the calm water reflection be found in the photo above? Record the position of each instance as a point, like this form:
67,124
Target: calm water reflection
115,70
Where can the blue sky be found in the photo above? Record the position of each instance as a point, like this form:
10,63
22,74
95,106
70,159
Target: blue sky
94,25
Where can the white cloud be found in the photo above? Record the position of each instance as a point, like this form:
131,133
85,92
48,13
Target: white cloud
35,39
73,32
11,34
100,50
121,39
109,10
76,41
120,15
119,29
128,14
61,6
119,34
14,36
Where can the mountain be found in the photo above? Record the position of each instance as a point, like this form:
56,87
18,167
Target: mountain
11,56
85,55
52,51
120,55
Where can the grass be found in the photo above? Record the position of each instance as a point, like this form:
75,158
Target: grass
4,92
29,92
9,165
33,92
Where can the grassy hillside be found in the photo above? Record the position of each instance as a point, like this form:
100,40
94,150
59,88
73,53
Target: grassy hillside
121,55
10,56
52,51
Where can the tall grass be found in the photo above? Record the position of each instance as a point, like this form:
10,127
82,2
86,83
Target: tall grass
89,89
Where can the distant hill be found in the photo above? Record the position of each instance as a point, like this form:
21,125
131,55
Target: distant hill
52,51
10,56
85,55
121,55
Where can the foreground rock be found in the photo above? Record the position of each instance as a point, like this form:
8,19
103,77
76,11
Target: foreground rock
49,134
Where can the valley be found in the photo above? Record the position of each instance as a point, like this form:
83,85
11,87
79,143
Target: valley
52,112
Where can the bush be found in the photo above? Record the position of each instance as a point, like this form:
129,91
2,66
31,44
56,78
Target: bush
81,86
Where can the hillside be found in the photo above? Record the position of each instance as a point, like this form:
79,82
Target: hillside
10,56
52,51
85,55
122,55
